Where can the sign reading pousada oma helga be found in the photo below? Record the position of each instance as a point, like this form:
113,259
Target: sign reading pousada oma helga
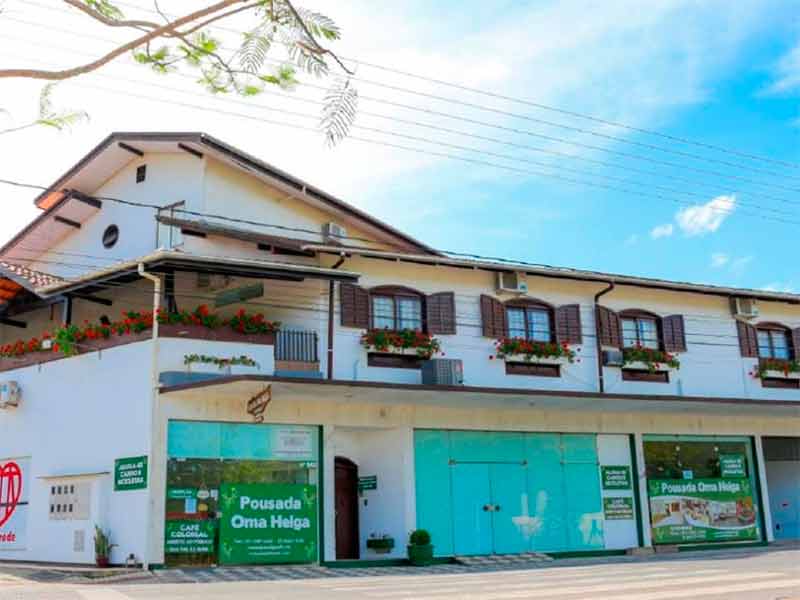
265,523
702,510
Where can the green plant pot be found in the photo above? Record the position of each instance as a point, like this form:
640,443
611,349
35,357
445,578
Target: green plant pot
381,546
420,556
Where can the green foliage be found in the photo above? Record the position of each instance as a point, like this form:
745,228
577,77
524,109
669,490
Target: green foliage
221,363
419,537
339,111
105,8
51,117
102,543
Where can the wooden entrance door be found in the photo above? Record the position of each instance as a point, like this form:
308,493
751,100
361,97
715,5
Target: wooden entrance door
346,493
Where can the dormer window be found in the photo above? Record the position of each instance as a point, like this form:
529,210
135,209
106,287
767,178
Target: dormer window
774,342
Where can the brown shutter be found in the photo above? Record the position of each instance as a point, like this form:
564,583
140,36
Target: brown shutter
493,317
796,343
610,330
441,313
354,306
748,339
568,324
674,333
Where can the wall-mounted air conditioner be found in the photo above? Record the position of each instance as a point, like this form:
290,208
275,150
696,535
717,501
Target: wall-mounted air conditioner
613,358
442,371
744,308
512,282
333,232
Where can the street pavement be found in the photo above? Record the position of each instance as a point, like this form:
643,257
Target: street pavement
760,574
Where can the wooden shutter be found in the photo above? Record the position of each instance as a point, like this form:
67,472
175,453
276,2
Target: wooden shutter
354,306
610,329
568,324
493,317
796,343
441,313
748,339
674,333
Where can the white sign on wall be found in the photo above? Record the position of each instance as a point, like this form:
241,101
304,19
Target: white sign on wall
14,495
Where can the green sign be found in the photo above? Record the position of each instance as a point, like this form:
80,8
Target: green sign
732,465
130,473
189,537
618,509
702,510
266,523
181,493
369,482
616,478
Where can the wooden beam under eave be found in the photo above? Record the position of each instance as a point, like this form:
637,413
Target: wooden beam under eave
13,323
65,221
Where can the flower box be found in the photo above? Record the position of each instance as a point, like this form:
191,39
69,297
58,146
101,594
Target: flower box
639,365
219,334
381,545
770,374
536,360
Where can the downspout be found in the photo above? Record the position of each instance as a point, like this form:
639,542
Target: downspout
331,288
600,376
153,416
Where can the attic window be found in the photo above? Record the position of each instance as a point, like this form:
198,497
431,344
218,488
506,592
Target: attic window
141,173
110,236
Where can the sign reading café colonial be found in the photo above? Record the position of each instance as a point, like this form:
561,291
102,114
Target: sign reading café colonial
13,503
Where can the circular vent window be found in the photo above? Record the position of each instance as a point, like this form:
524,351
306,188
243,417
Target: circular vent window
110,236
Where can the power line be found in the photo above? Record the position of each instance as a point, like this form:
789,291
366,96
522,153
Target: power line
546,107
554,139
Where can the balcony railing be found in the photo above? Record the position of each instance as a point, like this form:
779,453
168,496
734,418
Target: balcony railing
297,346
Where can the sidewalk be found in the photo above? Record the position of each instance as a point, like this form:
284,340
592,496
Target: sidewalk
45,573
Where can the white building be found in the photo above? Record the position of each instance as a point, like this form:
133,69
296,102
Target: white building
537,409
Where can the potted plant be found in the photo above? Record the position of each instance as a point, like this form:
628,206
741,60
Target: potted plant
380,543
102,547
420,549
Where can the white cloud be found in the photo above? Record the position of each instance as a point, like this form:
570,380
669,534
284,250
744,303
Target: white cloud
719,259
787,73
660,231
778,286
700,219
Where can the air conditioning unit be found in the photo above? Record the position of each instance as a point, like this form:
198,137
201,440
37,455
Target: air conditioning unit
613,358
9,394
442,371
744,308
333,232
513,282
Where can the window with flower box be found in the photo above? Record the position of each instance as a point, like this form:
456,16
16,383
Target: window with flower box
775,346
640,330
774,342
532,322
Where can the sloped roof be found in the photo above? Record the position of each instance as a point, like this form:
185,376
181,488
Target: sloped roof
28,278
121,147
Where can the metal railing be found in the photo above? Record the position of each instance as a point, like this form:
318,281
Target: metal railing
297,346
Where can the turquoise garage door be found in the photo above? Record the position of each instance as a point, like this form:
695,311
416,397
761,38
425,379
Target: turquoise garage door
504,493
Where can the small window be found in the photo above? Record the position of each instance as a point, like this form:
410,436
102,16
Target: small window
110,236
774,343
396,312
640,331
530,322
141,173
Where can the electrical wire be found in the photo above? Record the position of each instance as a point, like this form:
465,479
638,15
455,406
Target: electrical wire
541,106
549,138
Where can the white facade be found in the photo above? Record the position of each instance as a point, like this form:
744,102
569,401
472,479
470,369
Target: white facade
78,414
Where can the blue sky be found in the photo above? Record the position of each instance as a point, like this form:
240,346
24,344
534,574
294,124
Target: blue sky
721,73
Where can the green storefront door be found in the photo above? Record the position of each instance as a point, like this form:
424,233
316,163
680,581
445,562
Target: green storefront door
488,500
472,519
509,500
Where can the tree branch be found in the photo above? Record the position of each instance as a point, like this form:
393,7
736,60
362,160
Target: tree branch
317,46
84,8
167,29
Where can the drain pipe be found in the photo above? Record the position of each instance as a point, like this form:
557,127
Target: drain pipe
331,288
597,296
153,415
